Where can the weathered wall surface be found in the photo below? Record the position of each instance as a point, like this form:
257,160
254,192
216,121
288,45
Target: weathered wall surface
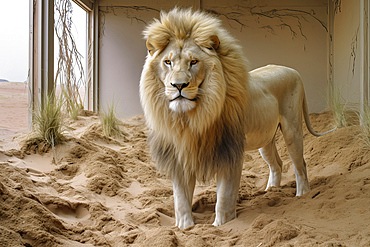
290,33
122,55
347,55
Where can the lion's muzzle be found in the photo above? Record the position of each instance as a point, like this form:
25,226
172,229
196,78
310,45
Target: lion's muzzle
182,99
180,85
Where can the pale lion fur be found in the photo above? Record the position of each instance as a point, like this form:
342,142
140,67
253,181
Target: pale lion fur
203,115
210,139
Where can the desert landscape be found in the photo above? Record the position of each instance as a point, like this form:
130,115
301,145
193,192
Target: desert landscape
93,190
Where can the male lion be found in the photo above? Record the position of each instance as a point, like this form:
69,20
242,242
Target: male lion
204,109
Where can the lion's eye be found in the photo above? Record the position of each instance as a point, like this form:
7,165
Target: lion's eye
167,62
193,62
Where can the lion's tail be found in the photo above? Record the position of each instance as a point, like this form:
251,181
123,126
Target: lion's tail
307,121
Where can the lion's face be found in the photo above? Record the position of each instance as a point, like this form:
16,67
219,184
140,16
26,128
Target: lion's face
182,69
183,80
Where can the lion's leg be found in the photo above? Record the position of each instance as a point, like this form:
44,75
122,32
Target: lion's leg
183,197
271,156
227,192
293,136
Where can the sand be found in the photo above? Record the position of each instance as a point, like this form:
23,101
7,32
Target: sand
98,191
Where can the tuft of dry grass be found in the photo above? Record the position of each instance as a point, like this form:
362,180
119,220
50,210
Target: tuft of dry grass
48,125
336,105
364,117
110,123
72,106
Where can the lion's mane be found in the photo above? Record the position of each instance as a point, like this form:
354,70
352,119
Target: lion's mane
210,138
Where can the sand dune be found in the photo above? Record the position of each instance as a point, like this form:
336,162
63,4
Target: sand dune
99,191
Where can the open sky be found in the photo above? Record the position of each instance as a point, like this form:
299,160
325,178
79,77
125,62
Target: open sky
14,29
14,38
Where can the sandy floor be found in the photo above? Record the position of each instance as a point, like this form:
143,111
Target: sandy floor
98,191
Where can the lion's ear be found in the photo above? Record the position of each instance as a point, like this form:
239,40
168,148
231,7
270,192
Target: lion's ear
150,47
216,42
154,45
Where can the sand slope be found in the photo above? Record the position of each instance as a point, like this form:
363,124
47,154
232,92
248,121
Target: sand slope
98,191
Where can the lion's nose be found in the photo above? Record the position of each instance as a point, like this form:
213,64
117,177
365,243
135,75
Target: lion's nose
180,86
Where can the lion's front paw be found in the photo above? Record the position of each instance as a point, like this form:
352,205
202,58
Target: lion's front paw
303,186
184,222
303,189
222,218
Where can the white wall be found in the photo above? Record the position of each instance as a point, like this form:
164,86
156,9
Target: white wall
347,53
122,54
122,49
265,40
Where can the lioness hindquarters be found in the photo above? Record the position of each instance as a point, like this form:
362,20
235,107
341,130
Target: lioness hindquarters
283,93
293,137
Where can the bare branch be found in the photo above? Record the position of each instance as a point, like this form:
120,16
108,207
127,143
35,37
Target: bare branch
130,11
69,58
239,14
354,51
337,6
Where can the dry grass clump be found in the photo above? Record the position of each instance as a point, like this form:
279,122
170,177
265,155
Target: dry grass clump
48,125
364,117
72,106
336,105
111,125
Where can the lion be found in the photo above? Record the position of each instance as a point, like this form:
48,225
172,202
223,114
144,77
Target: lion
204,109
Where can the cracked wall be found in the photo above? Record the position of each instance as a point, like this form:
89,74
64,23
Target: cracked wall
347,51
122,54
290,33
